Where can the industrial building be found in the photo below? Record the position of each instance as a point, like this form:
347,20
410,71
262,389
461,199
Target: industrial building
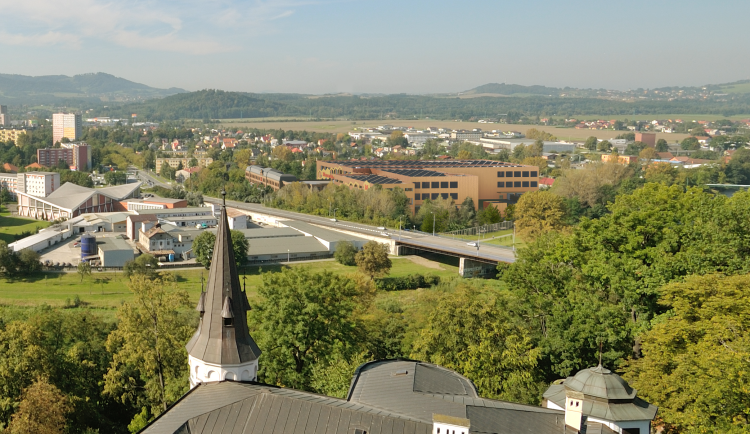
268,177
70,200
114,252
485,181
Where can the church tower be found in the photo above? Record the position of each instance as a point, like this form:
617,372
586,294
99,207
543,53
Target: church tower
222,348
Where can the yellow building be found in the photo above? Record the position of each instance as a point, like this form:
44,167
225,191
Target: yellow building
175,162
11,134
485,181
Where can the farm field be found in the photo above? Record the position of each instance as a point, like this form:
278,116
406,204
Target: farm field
343,126
10,226
107,290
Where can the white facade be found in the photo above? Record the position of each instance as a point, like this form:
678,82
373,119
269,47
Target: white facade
202,372
39,184
644,426
9,181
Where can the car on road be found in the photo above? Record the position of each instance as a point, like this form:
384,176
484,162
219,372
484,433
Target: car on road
381,228
471,244
334,220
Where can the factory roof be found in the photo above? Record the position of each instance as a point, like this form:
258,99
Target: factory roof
284,245
373,179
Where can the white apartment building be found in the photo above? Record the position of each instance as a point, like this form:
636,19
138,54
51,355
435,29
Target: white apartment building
68,125
9,181
4,118
39,184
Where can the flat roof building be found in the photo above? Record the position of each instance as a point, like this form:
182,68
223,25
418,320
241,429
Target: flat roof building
482,180
66,125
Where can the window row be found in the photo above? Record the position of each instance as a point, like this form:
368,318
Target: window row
443,184
517,184
522,174
433,196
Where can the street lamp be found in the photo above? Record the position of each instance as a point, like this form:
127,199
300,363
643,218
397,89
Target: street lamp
433,223
334,213
287,256
399,226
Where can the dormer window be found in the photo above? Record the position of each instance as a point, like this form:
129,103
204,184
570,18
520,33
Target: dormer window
228,322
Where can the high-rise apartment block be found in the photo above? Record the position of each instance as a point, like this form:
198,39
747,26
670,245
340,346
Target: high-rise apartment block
4,119
66,125
39,184
76,155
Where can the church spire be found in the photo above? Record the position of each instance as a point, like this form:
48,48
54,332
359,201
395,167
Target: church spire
222,347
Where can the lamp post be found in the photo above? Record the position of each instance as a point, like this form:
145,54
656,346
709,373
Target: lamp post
287,256
433,224
334,213
399,226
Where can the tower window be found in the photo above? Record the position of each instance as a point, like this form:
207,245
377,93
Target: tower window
228,322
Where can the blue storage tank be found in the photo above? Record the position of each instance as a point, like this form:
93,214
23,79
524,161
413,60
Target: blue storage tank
171,257
88,246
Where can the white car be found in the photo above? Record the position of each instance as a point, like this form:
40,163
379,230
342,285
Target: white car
381,228
471,244
334,220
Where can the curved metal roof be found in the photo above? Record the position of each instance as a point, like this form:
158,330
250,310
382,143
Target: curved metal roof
600,382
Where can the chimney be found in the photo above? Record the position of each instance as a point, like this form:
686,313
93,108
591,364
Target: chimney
573,409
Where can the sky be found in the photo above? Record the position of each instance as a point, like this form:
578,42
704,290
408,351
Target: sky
383,46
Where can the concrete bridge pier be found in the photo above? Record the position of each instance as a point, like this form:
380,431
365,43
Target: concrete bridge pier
471,268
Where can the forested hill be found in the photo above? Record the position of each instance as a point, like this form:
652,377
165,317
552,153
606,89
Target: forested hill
216,104
23,89
513,89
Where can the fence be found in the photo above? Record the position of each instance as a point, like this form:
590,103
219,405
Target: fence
477,232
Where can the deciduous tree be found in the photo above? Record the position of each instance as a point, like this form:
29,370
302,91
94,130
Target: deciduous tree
539,212
43,409
345,253
373,259
203,247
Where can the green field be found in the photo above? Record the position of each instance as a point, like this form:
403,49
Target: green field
737,88
107,290
11,226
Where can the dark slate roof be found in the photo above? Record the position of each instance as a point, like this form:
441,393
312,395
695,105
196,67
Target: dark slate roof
419,390
605,395
374,179
414,172
249,408
215,342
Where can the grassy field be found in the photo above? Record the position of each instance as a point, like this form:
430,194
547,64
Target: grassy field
11,226
107,290
344,126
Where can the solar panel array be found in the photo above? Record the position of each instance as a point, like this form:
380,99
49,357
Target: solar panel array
414,172
421,164
374,179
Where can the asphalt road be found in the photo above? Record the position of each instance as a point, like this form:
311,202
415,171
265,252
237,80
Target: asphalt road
455,247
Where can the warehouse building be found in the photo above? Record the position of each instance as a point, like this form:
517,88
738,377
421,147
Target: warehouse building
114,251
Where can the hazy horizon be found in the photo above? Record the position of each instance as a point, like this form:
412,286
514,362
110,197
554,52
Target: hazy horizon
416,47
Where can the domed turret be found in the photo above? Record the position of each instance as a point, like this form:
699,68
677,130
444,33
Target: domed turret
598,395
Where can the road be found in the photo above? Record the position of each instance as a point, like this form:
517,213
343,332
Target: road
147,177
407,238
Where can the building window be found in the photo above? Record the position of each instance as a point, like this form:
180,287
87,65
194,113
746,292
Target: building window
454,196
416,185
454,184
501,184
526,184
508,174
517,184
435,195
425,185
408,189
534,184
435,184
444,184
501,174
534,174
444,195
516,174
525,174
425,196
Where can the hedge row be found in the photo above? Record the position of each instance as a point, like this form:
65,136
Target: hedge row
412,281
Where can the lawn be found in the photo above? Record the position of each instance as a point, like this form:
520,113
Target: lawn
107,290
12,226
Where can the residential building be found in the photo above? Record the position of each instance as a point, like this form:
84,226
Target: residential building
66,125
268,177
39,184
419,139
175,162
76,155
4,118
622,159
9,181
647,138
482,180
10,168
385,396
8,134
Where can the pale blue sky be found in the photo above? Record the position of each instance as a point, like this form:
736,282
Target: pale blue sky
385,46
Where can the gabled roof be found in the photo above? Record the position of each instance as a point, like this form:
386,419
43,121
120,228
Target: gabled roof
71,196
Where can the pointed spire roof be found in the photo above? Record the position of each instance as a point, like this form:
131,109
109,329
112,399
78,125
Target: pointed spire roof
222,336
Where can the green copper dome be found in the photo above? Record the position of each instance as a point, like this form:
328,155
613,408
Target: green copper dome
600,382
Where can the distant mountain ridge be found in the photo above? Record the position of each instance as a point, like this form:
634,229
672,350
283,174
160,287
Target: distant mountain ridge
49,88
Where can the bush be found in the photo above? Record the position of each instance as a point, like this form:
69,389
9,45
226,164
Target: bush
412,281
